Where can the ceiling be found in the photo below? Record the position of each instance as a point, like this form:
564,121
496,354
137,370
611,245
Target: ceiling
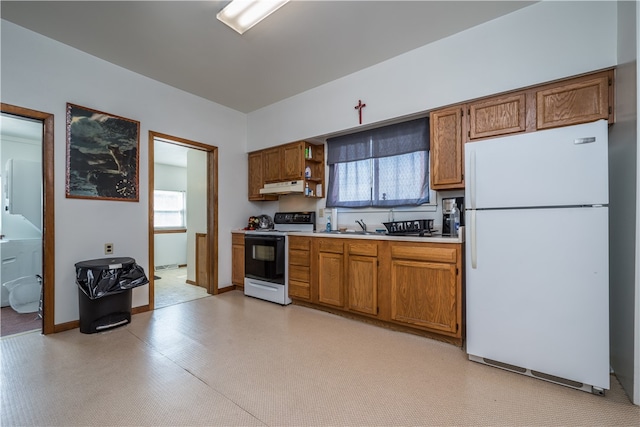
301,46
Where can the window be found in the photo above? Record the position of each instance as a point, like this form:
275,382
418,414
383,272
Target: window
384,167
169,209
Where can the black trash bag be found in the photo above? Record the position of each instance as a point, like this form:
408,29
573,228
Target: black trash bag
108,276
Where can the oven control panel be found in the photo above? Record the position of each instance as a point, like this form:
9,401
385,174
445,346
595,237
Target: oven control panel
294,218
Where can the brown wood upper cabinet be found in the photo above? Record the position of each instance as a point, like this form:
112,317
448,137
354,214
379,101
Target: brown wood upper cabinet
497,116
580,100
256,177
286,163
446,150
565,102
272,164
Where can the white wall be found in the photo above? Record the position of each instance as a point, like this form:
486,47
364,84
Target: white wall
507,53
504,54
623,159
170,248
42,74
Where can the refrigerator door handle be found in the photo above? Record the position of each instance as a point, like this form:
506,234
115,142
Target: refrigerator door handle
472,179
584,140
473,243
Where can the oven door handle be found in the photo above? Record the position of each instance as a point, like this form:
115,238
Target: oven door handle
262,237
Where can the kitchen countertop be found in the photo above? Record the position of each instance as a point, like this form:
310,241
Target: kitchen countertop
376,236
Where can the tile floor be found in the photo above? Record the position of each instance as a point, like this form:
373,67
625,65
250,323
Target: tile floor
233,360
172,288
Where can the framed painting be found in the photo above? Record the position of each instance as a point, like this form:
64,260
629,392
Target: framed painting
102,155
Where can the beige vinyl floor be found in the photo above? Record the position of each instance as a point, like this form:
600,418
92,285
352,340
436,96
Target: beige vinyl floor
237,361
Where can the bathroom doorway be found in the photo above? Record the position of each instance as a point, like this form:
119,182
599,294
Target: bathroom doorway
26,221
183,220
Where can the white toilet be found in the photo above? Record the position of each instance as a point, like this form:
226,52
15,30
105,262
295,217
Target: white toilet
24,293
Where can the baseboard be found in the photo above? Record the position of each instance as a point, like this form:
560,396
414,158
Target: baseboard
61,327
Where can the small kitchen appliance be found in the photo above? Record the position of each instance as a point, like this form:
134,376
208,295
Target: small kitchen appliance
266,256
447,211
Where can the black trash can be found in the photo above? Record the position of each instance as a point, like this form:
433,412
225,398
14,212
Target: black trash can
104,292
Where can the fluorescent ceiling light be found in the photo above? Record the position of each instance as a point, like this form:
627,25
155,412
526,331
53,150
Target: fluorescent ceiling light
244,14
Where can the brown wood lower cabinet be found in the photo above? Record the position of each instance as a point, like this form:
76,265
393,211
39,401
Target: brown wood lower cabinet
202,261
329,271
426,287
362,277
237,259
422,294
410,286
299,267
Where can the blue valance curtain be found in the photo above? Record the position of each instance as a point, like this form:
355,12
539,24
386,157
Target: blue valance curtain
383,167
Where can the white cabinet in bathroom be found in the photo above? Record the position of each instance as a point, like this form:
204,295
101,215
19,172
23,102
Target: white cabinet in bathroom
23,190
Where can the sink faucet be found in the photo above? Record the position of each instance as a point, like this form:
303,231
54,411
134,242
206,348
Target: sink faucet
362,225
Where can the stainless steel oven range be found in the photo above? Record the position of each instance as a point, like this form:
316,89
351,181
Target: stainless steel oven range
266,253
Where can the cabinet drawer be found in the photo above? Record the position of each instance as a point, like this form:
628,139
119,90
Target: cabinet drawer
298,274
302,243
331,245
237,239
362,248
299,289
297,257
421,253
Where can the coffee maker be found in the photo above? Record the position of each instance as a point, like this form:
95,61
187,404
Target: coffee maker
447,206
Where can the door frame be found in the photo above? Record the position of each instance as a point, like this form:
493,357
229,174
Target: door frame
48,210
212,209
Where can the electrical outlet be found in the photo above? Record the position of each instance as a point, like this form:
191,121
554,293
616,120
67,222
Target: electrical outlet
108,248
321,212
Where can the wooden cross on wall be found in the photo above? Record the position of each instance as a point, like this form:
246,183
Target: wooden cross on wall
359,107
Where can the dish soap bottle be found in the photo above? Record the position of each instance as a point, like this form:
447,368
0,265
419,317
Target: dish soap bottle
455,221
328,223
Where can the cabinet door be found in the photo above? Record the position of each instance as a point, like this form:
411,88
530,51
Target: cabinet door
292,162
255,175
362,281
424,294
497,116
580,100
330,279
271,164
256,178
237,259
446,149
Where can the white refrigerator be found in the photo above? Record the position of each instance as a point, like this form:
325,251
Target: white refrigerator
537,254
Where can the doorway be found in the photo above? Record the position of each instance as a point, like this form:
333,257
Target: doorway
182,220
28,215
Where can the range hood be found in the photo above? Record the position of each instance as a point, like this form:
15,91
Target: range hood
285,187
